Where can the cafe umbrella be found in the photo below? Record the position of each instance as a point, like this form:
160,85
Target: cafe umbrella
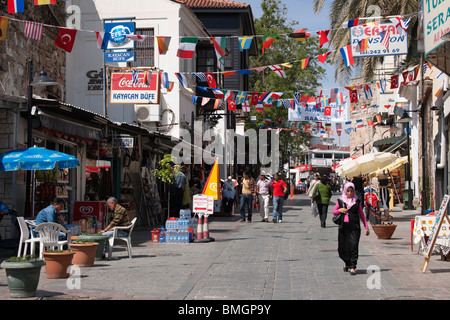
366,164
36,159
33,159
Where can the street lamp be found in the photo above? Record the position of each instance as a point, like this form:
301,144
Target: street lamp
42,80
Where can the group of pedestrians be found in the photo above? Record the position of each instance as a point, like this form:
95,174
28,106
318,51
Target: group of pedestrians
261,191
351,207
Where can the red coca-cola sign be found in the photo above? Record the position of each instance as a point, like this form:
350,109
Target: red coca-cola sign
144,90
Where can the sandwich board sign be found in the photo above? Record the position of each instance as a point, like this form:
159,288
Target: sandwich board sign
440,216
203,204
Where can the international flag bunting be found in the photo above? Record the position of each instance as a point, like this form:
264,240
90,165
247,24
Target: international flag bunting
378,118
231,105
16,6
333,95
217,103
219,46
245,107
33,30
183,81
211,80
323,37
278,70
394,81
368,92
102,39
201,76
254,98
228,95
217,93
324,56
385,38
382,85
347,55
362,45
136,37
241,97
297,97
66,39
304,63
135,76
3,27
187,47
400,25
245,42
42,2
267,41
163,44
350,23
300,35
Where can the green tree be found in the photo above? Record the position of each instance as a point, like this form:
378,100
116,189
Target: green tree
345,10
274,21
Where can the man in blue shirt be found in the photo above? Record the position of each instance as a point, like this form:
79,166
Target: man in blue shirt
50,214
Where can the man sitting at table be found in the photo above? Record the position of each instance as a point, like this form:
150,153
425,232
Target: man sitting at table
51,214
119,218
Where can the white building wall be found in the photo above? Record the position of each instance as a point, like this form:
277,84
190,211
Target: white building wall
167,18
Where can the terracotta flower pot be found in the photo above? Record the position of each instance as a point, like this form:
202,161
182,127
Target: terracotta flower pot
384,231
84,253
57,263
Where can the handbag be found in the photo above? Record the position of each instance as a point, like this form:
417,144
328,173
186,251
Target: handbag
339,218
316,194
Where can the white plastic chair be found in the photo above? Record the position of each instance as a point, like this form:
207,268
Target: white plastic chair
26,237
127,239
48,236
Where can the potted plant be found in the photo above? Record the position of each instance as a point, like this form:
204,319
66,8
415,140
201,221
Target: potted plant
166,172
23,274
57,262
84,252
384,230
98,238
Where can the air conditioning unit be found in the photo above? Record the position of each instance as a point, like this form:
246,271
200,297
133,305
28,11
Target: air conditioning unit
147,112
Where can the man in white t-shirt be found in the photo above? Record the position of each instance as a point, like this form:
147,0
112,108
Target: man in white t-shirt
263,191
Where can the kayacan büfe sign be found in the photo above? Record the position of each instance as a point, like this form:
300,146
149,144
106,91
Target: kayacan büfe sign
124,91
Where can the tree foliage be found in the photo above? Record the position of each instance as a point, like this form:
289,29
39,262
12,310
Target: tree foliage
274,21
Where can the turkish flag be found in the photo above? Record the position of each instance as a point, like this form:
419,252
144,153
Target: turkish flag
66,39
327,111
255,98
211,80
231,105
354,96
394,81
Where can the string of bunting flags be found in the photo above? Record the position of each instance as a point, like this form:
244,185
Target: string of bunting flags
335,102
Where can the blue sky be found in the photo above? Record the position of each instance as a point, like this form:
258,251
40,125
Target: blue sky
302,12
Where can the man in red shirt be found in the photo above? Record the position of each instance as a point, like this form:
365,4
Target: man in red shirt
279,189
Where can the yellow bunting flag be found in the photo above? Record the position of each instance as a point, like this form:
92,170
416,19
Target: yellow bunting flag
3,27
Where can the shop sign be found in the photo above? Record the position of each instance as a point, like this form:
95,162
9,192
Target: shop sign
114,56
200,204
95,80
125,90
436,23
123,142
119,32
304,167
398,44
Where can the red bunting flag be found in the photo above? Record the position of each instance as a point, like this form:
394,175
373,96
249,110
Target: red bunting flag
66,39
323,37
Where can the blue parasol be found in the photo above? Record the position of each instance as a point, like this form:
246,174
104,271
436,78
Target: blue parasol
36,159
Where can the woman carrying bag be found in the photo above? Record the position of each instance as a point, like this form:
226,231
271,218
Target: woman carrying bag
349,207
322,196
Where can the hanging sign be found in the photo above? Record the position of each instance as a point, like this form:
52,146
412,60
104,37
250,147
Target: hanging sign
378,40
114,56
125,90
330,113
436,23
119,32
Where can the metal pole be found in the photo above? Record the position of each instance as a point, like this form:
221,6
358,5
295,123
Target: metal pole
422,111
27,212
408,169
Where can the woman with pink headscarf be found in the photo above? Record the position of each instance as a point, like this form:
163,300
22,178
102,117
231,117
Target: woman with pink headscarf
350,229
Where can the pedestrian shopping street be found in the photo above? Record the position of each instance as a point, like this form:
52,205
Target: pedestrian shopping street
292,260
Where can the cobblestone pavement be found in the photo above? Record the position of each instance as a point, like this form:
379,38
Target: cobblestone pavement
292,260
